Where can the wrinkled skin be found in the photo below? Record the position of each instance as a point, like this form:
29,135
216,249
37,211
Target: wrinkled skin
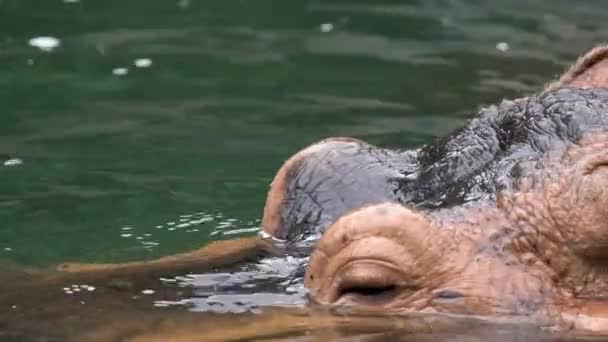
508,216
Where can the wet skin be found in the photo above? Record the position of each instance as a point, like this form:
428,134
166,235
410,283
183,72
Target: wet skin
506,217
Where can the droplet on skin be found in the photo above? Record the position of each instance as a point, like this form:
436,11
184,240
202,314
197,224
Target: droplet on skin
503,46
13,162
46,44
327,27
148,292
143,62
120,71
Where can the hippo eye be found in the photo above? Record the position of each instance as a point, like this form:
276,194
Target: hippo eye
368,293
368,283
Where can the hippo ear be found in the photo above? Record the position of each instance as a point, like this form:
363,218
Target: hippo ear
590,71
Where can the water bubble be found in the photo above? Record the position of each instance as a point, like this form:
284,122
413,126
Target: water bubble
46,44
503,46
71,1
291,289
13,162
183,4
142,63
8,249
120,71
148,292
126,235
126,228
327,27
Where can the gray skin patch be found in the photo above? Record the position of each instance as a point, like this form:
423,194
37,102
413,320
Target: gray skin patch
496,150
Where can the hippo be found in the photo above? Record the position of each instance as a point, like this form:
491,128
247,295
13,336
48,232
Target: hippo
506,216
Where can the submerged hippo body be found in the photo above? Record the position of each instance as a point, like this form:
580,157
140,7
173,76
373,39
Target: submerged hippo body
508,215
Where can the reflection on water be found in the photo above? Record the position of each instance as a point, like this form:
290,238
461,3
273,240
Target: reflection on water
269,282
217,224
132,130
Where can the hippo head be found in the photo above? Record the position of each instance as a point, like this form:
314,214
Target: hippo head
507,216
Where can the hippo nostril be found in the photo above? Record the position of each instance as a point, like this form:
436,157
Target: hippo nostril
368,282
449,294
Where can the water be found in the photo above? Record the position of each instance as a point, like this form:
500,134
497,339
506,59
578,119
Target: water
136,129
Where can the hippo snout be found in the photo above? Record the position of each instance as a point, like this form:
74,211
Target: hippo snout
389,258
370,255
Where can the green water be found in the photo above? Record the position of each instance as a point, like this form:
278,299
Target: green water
170,155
